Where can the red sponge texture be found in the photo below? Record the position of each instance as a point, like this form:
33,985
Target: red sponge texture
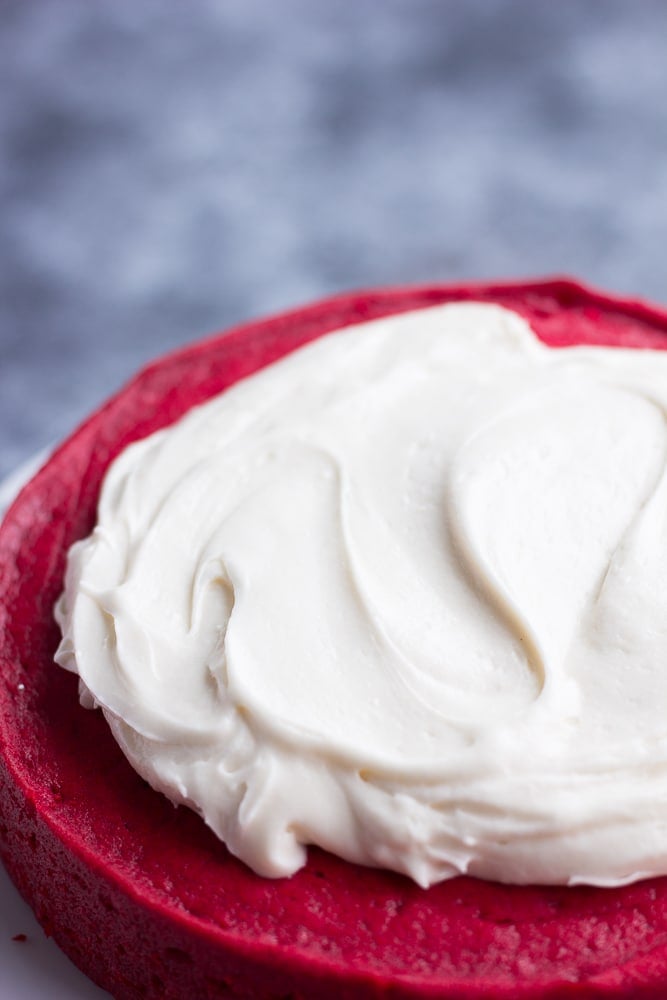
141,895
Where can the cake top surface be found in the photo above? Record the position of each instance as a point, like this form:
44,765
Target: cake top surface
397,595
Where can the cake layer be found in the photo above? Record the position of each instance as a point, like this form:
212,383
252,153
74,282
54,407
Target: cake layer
142,896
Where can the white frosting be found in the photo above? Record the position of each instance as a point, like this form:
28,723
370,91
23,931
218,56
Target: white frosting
402,595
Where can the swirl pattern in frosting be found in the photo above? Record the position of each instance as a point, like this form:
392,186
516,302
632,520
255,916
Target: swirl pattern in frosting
402,595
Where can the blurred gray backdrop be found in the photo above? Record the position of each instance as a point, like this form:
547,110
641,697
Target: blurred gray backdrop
168,168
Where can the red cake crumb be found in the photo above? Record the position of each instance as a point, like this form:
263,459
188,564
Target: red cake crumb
142,896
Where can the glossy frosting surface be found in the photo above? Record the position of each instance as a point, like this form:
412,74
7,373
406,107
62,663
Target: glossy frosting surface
398,595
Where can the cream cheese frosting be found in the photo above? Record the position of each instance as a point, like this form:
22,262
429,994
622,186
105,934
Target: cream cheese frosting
402,595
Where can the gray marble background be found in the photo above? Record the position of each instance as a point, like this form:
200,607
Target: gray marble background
168,168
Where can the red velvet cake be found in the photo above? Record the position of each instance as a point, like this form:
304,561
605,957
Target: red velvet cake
142,896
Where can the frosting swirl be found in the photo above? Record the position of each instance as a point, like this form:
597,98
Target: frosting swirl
399,595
